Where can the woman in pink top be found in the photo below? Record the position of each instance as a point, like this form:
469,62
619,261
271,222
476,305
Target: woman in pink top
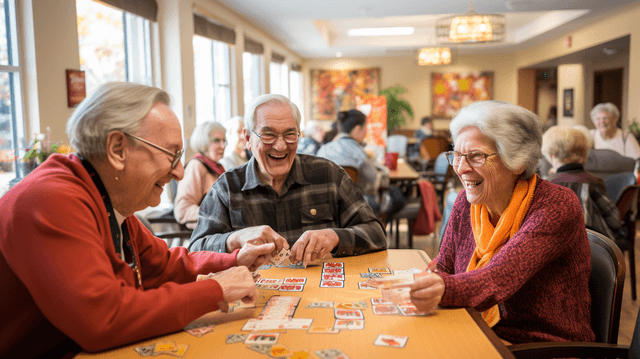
208,141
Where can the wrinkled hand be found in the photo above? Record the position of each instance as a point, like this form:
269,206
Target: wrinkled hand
313,245
427,291
252,256
237,284
256,235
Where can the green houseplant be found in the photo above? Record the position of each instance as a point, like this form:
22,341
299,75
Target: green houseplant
396,107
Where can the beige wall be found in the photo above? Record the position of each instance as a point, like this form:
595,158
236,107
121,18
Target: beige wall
571,77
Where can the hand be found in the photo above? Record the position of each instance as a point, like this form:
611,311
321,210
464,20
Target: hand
256,235
237,284
313,245
253,257
427,291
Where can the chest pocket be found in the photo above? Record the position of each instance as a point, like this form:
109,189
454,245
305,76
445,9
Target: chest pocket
310,215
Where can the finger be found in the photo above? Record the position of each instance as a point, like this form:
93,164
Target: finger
297,251
224,307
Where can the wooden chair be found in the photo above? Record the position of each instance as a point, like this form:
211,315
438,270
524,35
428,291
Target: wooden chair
616,183
430,148
352,172
439,177
605,285
626,240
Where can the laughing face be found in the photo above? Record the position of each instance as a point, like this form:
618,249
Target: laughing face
490,184
274,160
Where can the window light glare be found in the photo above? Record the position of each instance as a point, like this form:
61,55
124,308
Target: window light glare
381,31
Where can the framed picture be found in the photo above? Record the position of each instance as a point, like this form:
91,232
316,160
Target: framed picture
333,91
76,87
453,91
567,103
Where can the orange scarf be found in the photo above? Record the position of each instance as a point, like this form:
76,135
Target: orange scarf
489,240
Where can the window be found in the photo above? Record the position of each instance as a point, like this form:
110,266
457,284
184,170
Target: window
114,45
251,64
295,88
212,79
279,78
12,137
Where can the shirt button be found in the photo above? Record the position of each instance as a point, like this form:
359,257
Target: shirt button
344,252
313,211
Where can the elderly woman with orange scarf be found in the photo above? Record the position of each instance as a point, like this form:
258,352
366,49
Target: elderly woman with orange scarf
515,247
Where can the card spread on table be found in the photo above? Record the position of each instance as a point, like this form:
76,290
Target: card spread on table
348,314
394,341
236,338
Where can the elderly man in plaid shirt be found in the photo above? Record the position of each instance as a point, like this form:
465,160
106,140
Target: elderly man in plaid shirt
302,202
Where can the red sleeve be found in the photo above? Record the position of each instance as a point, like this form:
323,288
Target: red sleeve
66,259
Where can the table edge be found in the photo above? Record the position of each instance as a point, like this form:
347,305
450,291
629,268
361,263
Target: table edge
490,334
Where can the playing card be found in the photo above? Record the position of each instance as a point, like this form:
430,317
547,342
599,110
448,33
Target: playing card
164,347
331,284
269,281
250,325
323,330
275,286
279,351
280,257
379,270
262,338
348,314
236,338
364,285
200,331
396,296
295,280
351,305
146,350
180,352
299,354
264,266
291,287
330,354
320,305
349,324
385,309
299,265
394,341
338,270
333,276
334,264
377,301
370,275
199,323
411,310
260,348
409,271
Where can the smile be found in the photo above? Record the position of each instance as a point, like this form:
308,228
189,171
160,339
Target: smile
469,184
275,157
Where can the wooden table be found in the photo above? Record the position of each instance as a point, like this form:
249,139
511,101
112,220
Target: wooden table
450,333
403,172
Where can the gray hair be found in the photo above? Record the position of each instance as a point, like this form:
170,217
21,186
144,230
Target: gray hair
516,131
113,106
311,128
202,136
609,108
250,115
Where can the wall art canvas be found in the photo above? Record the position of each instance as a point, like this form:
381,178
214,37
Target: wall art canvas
336,90
453,91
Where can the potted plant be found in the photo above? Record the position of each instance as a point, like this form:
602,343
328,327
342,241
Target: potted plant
396,107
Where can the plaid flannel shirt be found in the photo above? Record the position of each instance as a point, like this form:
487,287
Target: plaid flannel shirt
318,194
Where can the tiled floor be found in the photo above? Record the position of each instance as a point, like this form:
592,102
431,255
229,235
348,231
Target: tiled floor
629,310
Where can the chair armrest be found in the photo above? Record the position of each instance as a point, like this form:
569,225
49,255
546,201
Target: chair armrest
568,349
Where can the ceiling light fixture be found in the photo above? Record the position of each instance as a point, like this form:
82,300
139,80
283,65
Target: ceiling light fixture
381,31
430,56
471,28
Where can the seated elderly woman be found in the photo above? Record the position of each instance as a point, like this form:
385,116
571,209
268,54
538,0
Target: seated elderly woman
78,269
607,135
208,141
567,149
516,247
236,152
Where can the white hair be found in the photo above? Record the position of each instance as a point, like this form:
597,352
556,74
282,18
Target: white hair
516,131
249,116
201,136
608,108
113,106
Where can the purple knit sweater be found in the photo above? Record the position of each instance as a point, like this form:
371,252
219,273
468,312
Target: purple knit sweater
539,278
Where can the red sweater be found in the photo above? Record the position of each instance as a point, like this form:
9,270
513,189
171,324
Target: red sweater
61,277
539,278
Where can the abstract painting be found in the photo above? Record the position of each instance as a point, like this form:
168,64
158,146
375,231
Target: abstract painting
453,91
336,90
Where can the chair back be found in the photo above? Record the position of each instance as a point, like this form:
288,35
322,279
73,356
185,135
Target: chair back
352,172
605,285
604,163
628,204
616,183
448,206
398,143
441,168
431,147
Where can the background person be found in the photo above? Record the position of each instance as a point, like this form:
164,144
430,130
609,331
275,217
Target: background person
208,141
311,140
236,152
607,135
567,149
79,267
302,202
516,247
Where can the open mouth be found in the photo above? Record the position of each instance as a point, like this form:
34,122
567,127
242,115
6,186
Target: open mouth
160,184
278,157
471,184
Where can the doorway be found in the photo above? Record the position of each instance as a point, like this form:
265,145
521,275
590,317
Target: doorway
607,87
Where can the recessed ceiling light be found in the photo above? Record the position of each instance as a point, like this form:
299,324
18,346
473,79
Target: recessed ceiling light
338,54
381,31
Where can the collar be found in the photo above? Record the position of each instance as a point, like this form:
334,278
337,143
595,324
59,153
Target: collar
570,167
253,180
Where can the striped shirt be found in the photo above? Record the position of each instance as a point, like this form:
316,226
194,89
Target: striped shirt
318,194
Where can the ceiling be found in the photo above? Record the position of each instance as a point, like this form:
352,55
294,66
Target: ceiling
318,28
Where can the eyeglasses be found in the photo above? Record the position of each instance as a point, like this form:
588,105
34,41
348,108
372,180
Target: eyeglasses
474,159
269,138
175,156
217,141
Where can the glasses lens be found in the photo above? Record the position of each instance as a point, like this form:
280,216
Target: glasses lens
476,159
291,137
268,138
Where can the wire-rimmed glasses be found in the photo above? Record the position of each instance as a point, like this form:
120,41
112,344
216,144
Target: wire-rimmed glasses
175,156
474,158
269,138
